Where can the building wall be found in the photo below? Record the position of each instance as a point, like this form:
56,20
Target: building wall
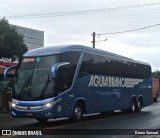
32,38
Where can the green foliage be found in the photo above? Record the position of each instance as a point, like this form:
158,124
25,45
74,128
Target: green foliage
11,42
156,74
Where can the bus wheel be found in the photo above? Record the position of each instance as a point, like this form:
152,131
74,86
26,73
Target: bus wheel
133,106
78,113
42,120
139,105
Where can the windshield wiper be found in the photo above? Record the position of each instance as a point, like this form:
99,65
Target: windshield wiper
24,86
45,86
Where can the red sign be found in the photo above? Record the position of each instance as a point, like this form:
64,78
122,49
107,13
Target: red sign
4,65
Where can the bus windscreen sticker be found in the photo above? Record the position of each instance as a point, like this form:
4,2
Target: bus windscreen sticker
38,59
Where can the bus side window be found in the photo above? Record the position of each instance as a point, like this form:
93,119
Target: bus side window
63,79
66,73
92,64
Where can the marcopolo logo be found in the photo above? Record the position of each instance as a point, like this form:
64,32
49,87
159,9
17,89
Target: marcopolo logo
106,81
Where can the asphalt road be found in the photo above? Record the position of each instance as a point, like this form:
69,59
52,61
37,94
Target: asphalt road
148,118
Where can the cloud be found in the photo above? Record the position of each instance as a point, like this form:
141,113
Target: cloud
146,40
141,45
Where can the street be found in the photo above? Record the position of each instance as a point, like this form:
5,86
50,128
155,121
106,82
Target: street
148,118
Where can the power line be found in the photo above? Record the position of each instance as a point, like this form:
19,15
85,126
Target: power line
74,13
126,31
139,10
132,30
120,8
101,40
67,37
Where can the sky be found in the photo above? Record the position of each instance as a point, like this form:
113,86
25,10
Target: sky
74,21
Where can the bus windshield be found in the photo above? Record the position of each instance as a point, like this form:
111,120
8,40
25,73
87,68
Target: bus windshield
32,78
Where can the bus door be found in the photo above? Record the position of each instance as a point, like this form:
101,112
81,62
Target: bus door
65,71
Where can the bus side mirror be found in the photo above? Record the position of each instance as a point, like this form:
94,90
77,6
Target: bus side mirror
7,70
55,68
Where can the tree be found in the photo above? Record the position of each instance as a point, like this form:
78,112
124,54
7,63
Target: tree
156,74
11,42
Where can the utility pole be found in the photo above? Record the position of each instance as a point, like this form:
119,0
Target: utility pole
94,35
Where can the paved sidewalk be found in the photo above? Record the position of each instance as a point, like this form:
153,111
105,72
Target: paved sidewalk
5,115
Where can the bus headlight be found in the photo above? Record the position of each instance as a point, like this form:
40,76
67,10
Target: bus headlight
47,105
14,105
50,104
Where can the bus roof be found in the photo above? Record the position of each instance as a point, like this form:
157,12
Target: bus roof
50,50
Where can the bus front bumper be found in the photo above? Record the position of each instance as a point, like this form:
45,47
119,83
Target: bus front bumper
43,113
34,109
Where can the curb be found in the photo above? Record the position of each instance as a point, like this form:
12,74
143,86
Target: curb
5,114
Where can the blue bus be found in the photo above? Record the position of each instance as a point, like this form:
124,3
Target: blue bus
73,80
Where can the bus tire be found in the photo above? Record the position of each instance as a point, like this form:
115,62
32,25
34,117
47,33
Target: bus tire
77,113
139,105
42,120
133,106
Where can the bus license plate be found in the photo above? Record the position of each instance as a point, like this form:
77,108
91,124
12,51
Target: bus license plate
29,114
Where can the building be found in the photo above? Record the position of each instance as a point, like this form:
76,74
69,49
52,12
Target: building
32,38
